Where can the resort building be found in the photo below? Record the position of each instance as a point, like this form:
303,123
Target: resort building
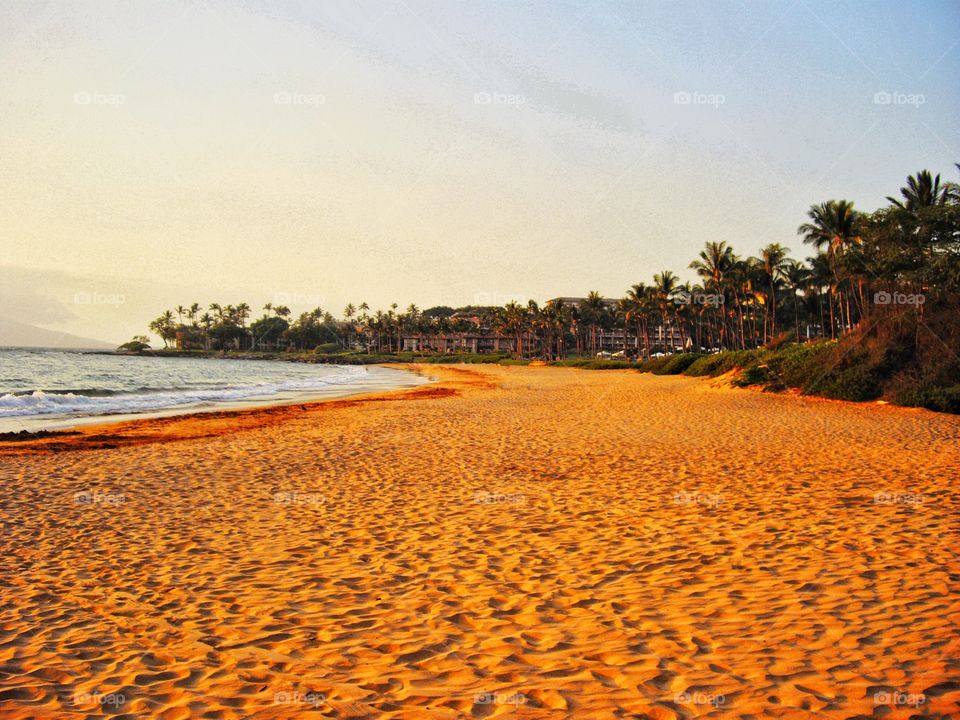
578,301
459,342
662,338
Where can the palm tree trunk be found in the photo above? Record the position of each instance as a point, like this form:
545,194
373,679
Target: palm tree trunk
849,319
743,334
773,309
833,335
796,314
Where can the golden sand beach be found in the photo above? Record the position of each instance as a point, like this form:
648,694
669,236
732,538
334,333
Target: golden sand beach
508,542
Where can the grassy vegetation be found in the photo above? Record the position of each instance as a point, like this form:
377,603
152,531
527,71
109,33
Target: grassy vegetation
721,363
362,358
899,360
588,364
670,364
941,399
323,354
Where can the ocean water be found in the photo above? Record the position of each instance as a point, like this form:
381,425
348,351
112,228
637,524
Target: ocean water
45,388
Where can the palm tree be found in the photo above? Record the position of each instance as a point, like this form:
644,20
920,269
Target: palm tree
377,322
243,312
532,324
164,327
773,261
593,309
349,312
412,320
206,322
639,302
822,278
716,262
922,190
393,323
953,189
921,221
833,225
797,278
554,318
665,285
513,318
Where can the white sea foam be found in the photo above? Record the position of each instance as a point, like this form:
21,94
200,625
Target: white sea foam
106,401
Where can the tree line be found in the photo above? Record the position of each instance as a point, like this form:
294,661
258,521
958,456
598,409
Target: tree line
900,260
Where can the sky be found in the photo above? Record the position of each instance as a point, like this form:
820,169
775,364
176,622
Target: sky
154,154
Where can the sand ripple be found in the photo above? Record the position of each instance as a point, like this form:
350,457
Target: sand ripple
519,542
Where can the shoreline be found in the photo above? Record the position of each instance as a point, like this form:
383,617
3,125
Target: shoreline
52,422
935,399
139,428
173,427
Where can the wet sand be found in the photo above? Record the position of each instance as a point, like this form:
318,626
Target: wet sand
508,542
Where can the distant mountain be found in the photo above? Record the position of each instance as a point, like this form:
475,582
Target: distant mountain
18,334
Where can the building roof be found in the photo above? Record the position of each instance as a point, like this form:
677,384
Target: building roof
580,300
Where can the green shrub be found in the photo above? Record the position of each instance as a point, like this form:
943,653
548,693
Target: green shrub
134,346
654,364
460,358
939,399
327,348
799,365
676,364
753,375
705,366
857,382
724,362
588,364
